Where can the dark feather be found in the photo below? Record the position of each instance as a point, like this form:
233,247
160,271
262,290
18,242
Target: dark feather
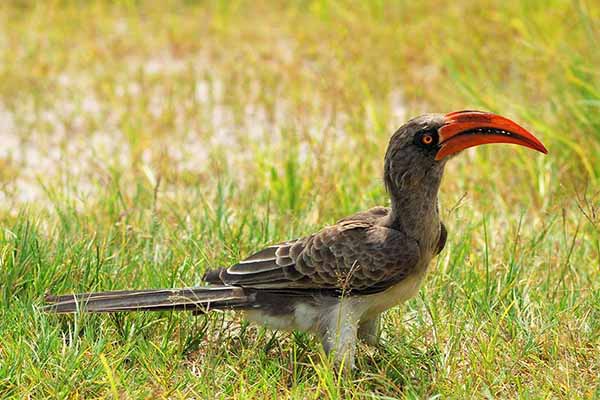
356,255
150,300
442,239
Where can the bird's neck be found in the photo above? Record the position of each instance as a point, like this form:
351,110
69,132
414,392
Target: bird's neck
415,212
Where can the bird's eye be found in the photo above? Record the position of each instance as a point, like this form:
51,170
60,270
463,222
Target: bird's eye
427,139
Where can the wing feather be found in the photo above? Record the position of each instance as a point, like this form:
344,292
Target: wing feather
353,255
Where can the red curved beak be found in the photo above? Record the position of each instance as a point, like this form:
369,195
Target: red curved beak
464,129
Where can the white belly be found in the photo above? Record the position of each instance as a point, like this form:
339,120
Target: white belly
307,317
397,294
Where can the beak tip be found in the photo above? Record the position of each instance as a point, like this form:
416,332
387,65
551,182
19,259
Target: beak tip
541,148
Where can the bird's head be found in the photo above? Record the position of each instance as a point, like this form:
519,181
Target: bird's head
420,148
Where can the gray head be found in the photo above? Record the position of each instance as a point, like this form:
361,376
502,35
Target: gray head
410,156
419,150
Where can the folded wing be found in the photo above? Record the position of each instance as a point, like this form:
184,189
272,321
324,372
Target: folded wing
353,256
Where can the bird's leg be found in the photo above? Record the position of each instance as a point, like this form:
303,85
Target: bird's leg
368,330
338,332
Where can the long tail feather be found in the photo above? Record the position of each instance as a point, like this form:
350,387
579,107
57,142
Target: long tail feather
192,299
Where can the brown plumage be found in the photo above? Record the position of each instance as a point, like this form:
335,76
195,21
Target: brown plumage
337,281
356,255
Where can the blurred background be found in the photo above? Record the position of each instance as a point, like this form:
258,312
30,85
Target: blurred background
143,142
97,91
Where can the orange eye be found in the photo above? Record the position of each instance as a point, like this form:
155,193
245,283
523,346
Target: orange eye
427,139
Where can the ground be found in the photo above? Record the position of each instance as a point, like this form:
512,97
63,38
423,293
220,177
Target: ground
141,144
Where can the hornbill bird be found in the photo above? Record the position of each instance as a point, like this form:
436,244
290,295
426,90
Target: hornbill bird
337,281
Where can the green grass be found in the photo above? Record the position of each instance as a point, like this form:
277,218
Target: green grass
141,145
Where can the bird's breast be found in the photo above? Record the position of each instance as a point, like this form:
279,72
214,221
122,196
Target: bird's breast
398,293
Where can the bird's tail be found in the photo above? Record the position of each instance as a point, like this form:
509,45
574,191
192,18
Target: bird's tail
198,299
